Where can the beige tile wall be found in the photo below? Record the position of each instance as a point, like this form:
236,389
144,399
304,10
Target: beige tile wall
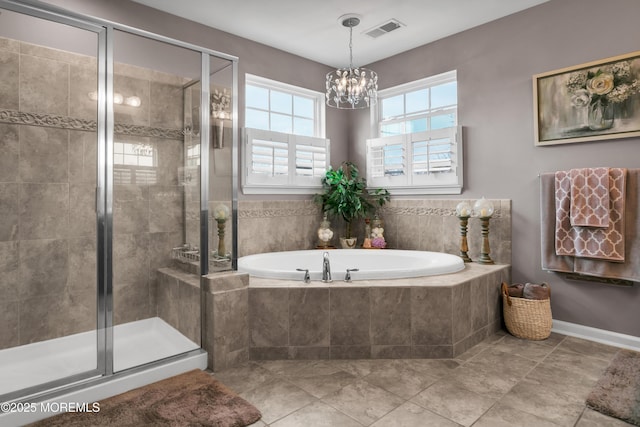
419,224
431,225
279,225
47,192
47,198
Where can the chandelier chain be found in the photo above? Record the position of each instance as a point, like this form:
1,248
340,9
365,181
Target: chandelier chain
351,47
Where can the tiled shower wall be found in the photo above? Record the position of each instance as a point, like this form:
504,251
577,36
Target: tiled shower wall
417,224
47,192
148,202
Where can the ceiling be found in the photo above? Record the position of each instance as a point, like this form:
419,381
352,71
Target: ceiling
312,29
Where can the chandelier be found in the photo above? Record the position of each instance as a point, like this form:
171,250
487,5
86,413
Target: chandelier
351,88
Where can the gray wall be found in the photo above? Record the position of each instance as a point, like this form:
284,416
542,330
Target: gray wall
495,64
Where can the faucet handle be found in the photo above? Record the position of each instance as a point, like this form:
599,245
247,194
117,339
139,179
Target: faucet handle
307,277
347,277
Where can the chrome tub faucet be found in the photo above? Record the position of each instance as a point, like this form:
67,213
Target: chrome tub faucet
326,268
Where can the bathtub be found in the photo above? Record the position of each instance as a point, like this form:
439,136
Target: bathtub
371,264
393,316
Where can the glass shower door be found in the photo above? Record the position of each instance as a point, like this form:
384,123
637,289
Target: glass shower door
48,202
221,174
156,305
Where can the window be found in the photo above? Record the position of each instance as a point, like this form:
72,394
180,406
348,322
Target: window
193,155
134,163
419,148
285,150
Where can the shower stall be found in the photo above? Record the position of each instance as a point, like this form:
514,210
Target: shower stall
116,147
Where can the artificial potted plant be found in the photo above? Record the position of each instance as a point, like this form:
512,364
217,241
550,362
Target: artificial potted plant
345,194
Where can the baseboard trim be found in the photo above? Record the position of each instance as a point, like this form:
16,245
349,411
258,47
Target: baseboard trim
598,335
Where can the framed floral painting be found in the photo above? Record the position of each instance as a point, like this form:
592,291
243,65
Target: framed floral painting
589,102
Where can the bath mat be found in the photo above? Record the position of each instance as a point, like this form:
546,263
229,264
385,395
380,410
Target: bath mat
194,398
617,393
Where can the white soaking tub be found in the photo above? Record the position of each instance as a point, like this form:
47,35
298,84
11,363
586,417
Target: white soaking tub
371,264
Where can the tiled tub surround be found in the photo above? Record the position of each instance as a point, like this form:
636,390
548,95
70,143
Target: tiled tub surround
431,225
226,327
426,225
279,225
428,317
47,192
226,334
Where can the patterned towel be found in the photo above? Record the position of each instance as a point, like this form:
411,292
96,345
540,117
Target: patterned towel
587,242
586,268
590,197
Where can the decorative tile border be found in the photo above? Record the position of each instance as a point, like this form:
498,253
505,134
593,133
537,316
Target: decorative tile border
65,122
422,211
250,210
285,208
146,131
46,120
273,213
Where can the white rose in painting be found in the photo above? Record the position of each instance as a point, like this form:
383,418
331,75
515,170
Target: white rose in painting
580,98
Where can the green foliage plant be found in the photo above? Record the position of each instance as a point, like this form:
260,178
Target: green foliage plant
345,194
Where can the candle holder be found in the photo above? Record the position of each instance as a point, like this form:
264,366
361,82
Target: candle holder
463,212
221,214
484,210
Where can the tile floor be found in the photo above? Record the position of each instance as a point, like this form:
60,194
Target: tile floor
503,381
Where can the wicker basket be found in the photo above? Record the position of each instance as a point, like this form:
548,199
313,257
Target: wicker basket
526,318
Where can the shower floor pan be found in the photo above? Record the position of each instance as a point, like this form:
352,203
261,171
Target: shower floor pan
135,343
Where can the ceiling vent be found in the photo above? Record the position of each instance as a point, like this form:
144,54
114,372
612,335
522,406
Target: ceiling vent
384,28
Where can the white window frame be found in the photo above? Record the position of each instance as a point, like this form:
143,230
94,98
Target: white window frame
408,183
292,182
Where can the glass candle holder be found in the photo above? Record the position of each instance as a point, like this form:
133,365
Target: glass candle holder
463,209
325,233
221,212
484,210
377,233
